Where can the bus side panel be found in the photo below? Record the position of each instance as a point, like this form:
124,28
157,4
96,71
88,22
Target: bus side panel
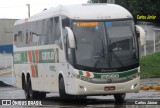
70,83
45,77
36,77
52,70
50,77
18,69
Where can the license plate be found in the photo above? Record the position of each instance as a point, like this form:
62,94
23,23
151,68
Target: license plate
108,88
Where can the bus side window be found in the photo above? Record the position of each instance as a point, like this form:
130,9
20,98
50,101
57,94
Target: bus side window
57,33
16,35
48,31
27,37
15,31
52,31
35,33
15,38
20,36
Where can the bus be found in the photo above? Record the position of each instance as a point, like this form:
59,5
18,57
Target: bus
78,50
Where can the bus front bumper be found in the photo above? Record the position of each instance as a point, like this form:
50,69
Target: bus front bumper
86,88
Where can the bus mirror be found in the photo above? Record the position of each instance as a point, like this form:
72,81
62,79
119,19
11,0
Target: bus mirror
71,38
140,33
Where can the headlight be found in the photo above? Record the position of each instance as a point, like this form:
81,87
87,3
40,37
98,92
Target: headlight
76,76
80,77
134,76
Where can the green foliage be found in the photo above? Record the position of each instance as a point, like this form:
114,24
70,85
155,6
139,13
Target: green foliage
139,7
150,65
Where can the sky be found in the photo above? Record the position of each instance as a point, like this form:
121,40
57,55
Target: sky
17,9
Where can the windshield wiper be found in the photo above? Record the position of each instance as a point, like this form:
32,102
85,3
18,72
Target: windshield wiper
115,55
100,55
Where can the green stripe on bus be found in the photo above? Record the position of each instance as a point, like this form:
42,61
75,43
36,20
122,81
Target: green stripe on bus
49,56
33,57
121,74
80,73
36,69
20,57
45,56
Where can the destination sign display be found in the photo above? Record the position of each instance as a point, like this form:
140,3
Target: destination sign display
84,24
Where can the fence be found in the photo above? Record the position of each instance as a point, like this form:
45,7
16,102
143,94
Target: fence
152,40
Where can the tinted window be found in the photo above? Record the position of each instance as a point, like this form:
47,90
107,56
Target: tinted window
42,32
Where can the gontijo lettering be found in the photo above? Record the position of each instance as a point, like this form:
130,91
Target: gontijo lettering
47,55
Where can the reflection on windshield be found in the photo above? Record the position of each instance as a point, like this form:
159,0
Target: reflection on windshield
90,40
105,44
122,43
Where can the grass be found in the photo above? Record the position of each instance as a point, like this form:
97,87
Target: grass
150,65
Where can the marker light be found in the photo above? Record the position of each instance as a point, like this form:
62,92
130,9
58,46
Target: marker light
134,86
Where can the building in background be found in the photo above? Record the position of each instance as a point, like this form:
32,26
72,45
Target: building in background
6,35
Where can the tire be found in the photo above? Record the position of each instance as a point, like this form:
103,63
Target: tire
62,91
63,94
26,91
41,95
23,83
81,97
119,97
32,94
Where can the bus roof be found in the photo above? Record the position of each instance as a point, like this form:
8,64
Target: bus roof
83,12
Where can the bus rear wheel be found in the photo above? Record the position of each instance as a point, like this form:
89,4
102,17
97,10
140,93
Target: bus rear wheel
41,95
32,94
119,97
26,91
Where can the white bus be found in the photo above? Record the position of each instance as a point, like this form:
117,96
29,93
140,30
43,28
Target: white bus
77,50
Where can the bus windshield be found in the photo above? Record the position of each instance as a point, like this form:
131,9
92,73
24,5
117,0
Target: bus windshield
105,45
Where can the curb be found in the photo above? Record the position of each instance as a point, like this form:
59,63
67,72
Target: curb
5,72
150,87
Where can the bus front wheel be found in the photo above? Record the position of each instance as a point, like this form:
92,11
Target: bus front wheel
119,97
62,91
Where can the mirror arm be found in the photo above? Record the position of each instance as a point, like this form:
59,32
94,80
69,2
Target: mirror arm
142,34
